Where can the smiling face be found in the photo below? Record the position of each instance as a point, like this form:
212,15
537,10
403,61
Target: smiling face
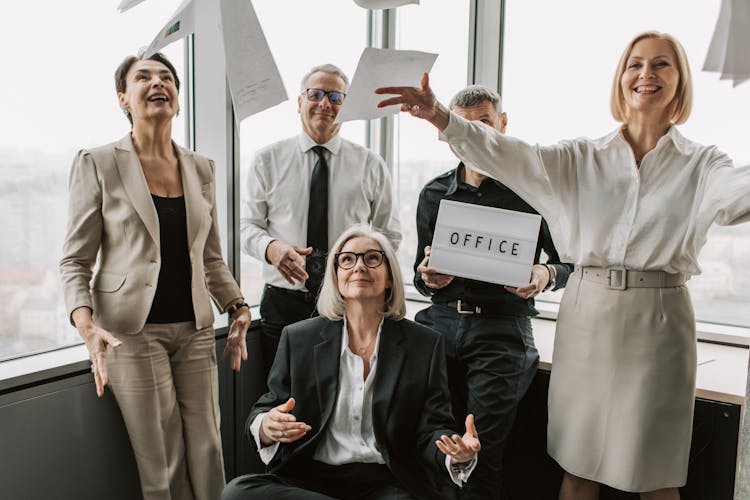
650,78
361,282
317,117
150,93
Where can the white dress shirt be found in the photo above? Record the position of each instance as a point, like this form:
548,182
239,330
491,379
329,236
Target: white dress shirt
350,435
602,209
277,194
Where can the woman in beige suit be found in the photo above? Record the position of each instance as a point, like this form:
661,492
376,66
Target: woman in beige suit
143,210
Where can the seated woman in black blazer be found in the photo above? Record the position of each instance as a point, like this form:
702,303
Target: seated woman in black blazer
358,404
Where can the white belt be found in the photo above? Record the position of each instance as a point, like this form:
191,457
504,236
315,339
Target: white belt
619,278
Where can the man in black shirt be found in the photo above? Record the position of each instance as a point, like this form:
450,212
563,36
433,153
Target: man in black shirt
490,348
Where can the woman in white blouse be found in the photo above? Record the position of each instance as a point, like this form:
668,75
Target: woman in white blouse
631,210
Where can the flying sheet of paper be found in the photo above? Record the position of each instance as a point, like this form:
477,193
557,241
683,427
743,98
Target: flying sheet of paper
181,24
254,79
128,4
727,53
382,68
382,4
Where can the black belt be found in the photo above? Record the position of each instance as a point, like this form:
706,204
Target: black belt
463,307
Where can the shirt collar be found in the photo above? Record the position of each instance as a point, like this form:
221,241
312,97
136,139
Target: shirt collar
345,340
306,143
456,180
672,135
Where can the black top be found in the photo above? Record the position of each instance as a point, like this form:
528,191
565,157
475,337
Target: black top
490,193
173,300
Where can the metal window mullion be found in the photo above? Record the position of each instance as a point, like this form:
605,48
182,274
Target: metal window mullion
486,18
380,133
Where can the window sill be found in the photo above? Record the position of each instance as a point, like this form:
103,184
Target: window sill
722,351
35,369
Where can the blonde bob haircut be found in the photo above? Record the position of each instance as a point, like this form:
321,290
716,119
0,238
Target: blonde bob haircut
331,302
683,99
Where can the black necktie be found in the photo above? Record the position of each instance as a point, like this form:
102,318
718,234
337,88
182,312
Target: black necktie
317,222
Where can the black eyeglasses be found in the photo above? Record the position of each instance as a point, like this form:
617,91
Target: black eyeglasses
371,259
317,95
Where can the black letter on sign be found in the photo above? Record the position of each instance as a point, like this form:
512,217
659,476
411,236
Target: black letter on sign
467,237
514,251
500,247
479,240
456,240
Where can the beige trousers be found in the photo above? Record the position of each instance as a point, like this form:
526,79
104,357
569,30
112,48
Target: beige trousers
165,381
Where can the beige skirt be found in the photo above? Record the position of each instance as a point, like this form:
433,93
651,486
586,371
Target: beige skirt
622,390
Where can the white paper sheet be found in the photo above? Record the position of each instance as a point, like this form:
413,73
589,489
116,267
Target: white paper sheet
128,4
181,24
484,243
382,68
254,79
382,4
727,53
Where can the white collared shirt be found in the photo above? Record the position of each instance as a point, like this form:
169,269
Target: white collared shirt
350,435
602,209
276,196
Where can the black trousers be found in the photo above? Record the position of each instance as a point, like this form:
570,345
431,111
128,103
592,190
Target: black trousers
491,361
280,307
319,481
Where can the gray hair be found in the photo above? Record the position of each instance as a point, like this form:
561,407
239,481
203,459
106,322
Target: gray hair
323,68
331,302
474,95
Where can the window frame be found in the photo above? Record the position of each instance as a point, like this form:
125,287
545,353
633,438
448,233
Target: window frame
209,103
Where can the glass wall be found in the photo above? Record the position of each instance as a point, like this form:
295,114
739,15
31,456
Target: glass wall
57,95
300,37
419,155
558,64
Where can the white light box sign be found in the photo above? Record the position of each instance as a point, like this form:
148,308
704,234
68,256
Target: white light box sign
484,243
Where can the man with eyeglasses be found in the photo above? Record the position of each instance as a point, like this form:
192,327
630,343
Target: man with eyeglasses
301,193
489,345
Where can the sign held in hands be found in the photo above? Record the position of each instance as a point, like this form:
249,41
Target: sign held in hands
484,243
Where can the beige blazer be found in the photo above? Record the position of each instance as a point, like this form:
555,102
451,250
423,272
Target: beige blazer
111,256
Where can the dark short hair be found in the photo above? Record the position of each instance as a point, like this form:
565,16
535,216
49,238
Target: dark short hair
121,73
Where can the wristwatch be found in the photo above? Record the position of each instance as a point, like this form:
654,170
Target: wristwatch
233,308
462,467
552,277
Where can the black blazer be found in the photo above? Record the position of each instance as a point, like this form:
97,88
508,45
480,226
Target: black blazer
411,407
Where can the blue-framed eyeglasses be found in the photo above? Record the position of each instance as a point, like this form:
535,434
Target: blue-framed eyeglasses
317,95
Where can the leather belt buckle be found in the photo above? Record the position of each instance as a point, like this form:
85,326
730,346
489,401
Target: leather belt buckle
463,308
618,278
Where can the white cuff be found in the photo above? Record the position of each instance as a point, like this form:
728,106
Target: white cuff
266,453
460,477
262,247
455,129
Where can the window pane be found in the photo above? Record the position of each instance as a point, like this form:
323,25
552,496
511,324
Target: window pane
557,73
419,155
328,31
57,96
